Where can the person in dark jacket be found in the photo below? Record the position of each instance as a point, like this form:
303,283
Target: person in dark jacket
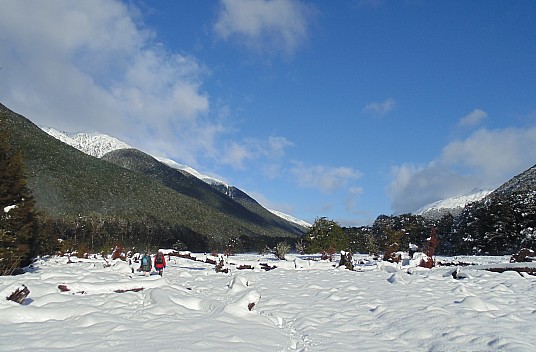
146,264
160,263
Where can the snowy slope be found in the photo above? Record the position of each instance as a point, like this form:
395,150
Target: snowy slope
453,205
94,144
291,218
208,179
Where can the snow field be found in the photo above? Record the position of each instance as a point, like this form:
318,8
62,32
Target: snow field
302,305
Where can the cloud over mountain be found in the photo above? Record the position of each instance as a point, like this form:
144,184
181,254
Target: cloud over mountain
484,159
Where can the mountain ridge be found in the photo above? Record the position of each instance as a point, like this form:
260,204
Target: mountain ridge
523,182
451,205
70,186
99,144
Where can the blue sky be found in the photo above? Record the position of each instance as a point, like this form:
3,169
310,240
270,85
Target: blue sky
343,109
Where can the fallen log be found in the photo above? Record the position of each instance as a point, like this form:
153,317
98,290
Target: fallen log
528,270
267,267
137,289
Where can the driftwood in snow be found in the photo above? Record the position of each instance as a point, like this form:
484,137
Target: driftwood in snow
138,289
185,256
528,270
267,267
524,255
64,288
19,295
220,267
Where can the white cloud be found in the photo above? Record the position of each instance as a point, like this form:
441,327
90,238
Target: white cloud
237,153
494,154
472,119
487,158
322,177
89,65
414,186
380,108
265,25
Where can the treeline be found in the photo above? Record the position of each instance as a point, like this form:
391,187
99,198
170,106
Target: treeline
388,234
501,224
96,234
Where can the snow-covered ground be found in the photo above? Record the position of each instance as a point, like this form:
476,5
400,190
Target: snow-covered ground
302,305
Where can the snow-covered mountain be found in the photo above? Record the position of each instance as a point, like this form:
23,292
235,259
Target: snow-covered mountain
452,205
98,144
208,179
291,218
94,144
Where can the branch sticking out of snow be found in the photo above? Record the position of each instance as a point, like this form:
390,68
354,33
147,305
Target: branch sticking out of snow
19,295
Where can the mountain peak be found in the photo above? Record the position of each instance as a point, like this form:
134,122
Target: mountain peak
525,181
94,144
453,205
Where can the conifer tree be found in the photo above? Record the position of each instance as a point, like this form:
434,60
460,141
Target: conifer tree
17,218
326,235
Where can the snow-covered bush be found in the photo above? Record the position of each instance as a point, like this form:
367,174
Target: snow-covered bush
281,249
300,246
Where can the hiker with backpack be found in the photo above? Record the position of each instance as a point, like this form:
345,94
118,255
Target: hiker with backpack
146,264
159,262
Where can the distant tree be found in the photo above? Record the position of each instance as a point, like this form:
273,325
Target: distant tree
358,237
326,235
281,250
300,246
392,245
234,245
18,223
445,235
409,228
378,228
372,247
